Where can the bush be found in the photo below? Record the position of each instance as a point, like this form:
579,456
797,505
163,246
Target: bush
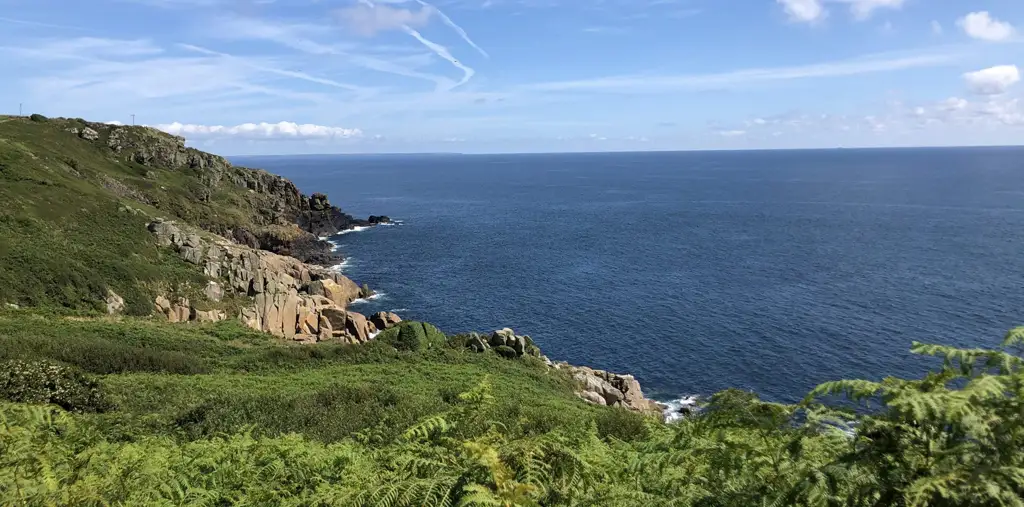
622,424
413,336
46,382
37,117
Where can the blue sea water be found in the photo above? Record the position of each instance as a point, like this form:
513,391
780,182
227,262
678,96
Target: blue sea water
768,271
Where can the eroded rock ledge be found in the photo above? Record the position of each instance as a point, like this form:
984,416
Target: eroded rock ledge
283,296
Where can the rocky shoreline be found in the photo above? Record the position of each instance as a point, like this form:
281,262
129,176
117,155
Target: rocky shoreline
308,303
277,272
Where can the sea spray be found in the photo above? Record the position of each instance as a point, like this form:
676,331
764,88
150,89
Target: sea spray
375,297
681,407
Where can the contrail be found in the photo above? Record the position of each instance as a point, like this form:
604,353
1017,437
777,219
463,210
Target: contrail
467,73
439,50
451,24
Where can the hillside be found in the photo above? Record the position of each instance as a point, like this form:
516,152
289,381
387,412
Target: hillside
169,335
78,197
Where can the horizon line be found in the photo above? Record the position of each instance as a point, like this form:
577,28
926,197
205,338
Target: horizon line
699,150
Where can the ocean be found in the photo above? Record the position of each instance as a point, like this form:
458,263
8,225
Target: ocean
770,271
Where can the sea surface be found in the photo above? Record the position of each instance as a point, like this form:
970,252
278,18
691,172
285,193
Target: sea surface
696,271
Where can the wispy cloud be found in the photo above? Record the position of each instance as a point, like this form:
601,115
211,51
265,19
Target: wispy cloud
662,83
368,19
249,62
27,22
298,37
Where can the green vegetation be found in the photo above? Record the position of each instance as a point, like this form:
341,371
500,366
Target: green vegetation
130,411
220,415
74,214
413,336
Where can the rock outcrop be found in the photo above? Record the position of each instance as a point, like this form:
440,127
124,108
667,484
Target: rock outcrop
612,389
385,320
289,299
505,342
594,386
115,303
321,218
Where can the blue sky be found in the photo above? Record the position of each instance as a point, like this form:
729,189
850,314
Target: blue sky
338,76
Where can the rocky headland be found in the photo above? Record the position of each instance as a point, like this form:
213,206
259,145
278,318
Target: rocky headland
259,244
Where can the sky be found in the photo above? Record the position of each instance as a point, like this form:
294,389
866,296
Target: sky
255,77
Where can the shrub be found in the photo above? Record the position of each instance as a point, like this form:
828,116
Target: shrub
46,382
37,117
622,424
413,336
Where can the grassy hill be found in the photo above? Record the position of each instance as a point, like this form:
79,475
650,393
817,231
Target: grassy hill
131,410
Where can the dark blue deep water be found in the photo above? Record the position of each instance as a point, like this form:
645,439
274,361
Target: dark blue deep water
769,271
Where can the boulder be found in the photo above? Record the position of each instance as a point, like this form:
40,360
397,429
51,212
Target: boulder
357,327
115,303
592,397
289,314
210,316
385,320
325,332
336,320
502,337
213,291
180,311
340,294
89,134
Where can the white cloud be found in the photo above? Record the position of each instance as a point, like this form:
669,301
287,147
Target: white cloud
936,28
981,25
282,130
732,133
863,9
804,11
993,80
369,19
809,11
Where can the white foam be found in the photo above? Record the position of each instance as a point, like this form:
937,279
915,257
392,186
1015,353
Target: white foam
343,265
681,407
374,297
355,229
396,310
374,334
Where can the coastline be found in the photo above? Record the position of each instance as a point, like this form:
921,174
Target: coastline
598,387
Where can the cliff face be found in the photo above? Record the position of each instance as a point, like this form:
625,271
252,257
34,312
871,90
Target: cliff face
279,295
280,218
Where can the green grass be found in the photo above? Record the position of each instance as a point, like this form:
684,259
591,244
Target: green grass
202,380
66,235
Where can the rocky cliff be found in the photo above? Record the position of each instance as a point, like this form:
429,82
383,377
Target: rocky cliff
280,218
280,295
